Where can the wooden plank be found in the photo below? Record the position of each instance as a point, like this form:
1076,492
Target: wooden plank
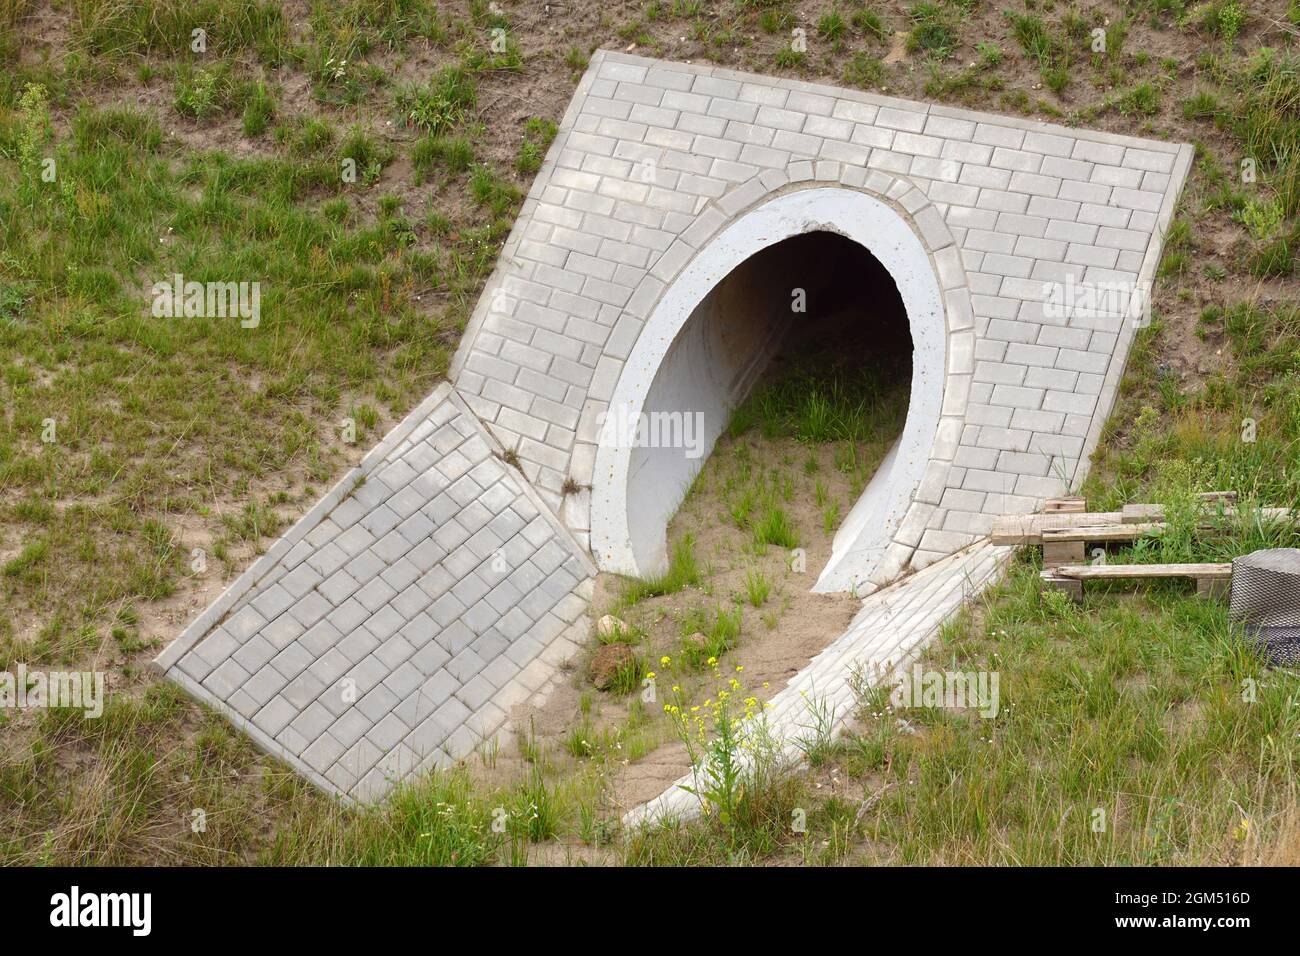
1073,504
1214,587
1089,572
1101,532
1019,530
1063,552
1141,514
1227,497
1028,529
1212,580
1071,586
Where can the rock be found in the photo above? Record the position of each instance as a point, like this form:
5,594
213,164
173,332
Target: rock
609,660
610,628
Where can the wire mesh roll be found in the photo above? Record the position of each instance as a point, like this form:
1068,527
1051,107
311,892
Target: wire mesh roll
1266,600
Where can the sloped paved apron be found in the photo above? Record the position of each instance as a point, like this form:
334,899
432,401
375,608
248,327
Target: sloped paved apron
393,628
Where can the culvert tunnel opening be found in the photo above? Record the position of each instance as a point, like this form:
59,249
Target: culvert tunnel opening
805,344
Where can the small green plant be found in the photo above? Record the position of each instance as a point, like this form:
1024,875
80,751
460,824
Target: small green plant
775,20
203,93
259,110
33,126
867,21
683,572
576,59
863,71
1223,19
830,515
455,154
628,677
536,815
757,587
1142,99
440,106
369,155
817,744
774,528
489,189
538,134
730,749
933,31
789,58
719,630
832,27
1261,217
990,54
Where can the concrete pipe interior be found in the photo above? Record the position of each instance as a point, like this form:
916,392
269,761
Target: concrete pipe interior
739,318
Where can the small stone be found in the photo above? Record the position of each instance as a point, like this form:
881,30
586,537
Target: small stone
609,660
610,628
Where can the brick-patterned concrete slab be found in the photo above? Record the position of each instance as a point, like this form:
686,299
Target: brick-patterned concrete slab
655,161
893,627
393,628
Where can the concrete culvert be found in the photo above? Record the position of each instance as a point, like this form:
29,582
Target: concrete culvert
811,329
826,283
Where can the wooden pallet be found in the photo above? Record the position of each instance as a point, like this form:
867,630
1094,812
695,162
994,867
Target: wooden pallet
1066,527
1212,580
1078,528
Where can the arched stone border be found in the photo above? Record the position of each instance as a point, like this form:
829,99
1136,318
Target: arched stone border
608,509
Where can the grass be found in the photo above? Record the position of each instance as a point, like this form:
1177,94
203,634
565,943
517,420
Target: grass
1196,438
538,134
706,635
774,528
1153,731
934,30
811,407
440,106
1050,50
453,154
1132,708
113,29
683,572
240,218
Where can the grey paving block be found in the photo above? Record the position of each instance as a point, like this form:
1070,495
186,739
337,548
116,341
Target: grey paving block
218,647
348,616
377,703
322,753
321,638
275,715
366,674
358,645
226,679
394,651
464,665
404,680
350,726
303,689
430,658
